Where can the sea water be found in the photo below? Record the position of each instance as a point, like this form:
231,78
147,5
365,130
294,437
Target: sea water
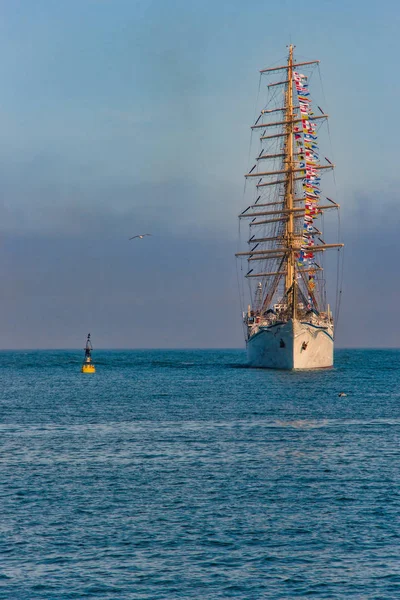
183,474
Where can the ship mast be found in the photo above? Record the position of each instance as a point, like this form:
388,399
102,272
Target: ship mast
290,281
282,244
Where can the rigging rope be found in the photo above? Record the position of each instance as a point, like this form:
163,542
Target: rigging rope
340,258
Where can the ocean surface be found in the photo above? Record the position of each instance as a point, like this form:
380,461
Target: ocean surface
183,474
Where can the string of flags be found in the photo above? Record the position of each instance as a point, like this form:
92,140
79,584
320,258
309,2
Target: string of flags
307,150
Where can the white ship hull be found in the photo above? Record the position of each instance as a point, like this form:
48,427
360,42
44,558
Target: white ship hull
291,345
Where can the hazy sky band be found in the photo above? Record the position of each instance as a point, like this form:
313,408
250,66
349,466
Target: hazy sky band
119,117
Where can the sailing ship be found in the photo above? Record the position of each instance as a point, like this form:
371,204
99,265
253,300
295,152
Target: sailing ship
288,324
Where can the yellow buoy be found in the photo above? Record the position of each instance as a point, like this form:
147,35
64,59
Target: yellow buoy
88,366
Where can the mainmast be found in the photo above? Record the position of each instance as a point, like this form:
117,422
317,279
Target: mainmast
290,281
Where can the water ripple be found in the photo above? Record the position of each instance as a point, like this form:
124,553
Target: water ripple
180,474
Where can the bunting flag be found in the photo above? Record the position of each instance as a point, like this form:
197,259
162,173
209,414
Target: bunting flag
307,143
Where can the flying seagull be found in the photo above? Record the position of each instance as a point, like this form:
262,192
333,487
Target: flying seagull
141,236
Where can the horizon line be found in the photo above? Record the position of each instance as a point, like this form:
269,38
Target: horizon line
169,348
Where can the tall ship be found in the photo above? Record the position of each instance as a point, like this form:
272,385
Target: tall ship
288,323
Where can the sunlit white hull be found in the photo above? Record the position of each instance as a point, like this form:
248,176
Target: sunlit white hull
291,345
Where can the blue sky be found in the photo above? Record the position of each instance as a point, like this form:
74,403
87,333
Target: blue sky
119,116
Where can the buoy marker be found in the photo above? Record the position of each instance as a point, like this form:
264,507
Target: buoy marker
88,366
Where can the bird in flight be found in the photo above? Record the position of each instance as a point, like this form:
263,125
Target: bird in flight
141,236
